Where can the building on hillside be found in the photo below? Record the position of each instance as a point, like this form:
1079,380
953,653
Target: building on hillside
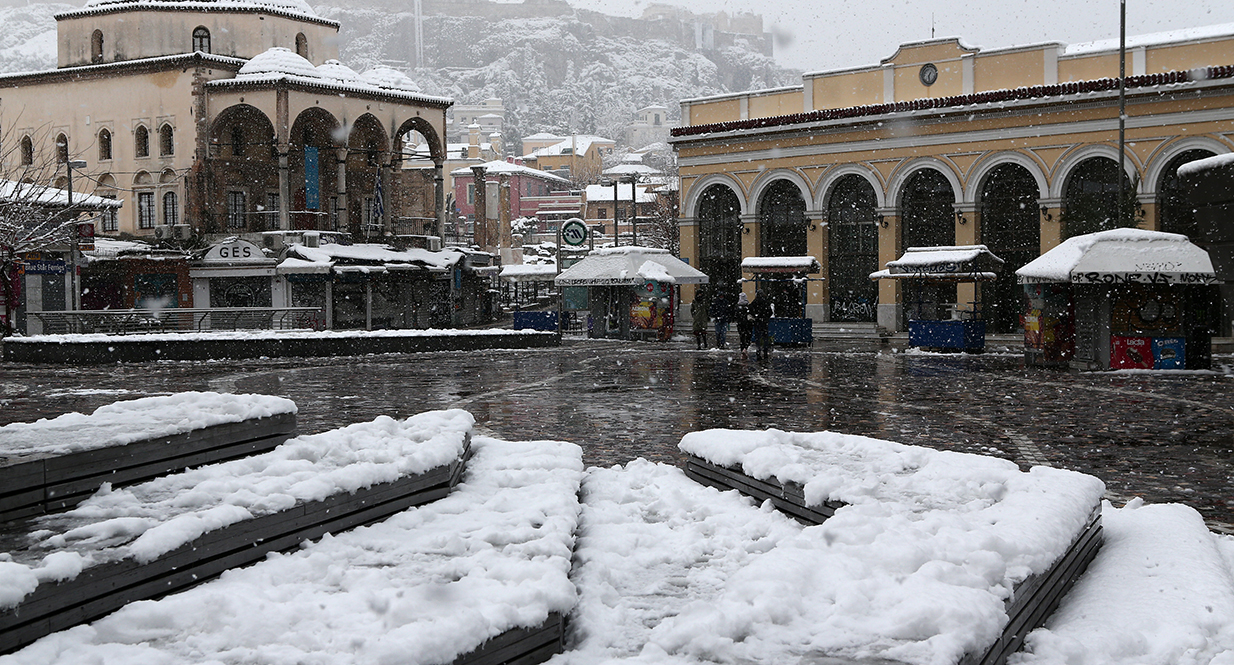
489,115
617,208
946,144
579,157
651,125
472,152
491,195
226,117
540,140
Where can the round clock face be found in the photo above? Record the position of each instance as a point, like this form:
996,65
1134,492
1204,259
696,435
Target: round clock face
928,74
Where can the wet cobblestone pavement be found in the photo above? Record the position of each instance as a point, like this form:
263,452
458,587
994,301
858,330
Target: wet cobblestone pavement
1165,437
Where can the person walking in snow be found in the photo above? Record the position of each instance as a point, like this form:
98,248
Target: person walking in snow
761,312
699,312
722,314
741,316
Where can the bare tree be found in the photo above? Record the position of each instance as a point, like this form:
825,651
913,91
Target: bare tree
34,212
659,228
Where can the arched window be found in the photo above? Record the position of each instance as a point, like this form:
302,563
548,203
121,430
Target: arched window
1011,228
719,228
96,46
62,149
302,46
1090,200
201,39
27,151
104,145
852,249
171,208
141,142
928,216
167,143
1175,213
782,217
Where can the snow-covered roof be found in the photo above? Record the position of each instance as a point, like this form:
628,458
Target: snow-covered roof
500,166
578,144
1214,162
543,136
1122,256
631,167
12,191
283,64
365,257
629,266
529,272
957,263
1153,39
765,264
289,8
602,193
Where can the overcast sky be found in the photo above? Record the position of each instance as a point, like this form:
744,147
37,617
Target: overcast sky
814,35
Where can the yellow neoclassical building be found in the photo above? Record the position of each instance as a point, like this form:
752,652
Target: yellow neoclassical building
222,117
945,144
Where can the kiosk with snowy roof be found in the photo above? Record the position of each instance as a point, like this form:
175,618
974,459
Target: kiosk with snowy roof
1120,299
633,290
783,279
924,266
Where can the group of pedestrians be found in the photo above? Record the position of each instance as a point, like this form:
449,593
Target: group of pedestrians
751,317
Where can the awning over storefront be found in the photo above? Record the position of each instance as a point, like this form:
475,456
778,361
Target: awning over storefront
958,263
365,259
1122,256
529,272
629,266
294,266
780,264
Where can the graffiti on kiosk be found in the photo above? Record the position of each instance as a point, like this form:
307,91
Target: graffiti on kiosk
1141,278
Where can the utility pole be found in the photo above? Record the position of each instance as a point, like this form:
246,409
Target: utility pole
1122,110
74,254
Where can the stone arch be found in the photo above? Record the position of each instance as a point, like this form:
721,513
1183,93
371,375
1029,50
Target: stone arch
1066,165
257,130
143,178
437,148
827,183
1090,200
766,179
852,203
690,211
168,176
366,154
985,165
718,225
1009,199
314,137
905,171
1165,153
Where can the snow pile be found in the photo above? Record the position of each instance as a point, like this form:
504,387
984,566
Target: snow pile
422,587
136,420
145,521
915,568
1158,593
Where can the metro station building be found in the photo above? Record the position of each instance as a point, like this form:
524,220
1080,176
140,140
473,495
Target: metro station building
946,144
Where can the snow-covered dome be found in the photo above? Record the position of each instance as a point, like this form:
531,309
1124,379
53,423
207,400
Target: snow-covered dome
279,60
388,77
293,6
335,70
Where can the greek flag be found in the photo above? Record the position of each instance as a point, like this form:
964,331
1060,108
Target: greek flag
379,203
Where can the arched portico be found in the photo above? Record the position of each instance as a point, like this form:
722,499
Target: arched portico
242,153
318,186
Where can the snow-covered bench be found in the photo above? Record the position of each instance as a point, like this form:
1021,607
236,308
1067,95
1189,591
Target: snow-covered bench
479,577
53,464
150,539
1028,534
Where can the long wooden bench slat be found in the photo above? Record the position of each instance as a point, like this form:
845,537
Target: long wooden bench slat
102,589
37,484
521,646
1032,601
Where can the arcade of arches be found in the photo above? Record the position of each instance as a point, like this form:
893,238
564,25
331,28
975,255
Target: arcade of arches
1007,207
328,175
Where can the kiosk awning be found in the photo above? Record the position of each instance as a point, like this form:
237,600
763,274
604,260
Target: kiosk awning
629,266
1122,256
957,263
780,264
529,272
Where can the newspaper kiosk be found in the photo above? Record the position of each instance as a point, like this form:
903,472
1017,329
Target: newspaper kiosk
963,330
784,279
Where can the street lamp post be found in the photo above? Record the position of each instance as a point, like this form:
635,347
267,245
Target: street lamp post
74,254
632,179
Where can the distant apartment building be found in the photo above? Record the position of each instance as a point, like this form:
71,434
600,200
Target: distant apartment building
651,125
489,115
579,157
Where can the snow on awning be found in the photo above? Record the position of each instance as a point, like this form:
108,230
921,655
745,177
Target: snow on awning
293,266
770,264
1122,256
628,266
956,263
529,272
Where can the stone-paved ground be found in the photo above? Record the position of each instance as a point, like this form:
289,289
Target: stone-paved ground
1166,437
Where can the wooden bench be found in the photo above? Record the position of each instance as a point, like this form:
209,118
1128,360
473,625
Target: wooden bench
521,646
39,483
1031,602
104,588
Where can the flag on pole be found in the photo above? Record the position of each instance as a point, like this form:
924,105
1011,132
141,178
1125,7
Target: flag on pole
379,203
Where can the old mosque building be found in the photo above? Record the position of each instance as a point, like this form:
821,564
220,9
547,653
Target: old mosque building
225,117
945,144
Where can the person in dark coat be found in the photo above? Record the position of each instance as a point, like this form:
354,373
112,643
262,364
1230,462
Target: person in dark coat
761,312
745,329
699,312
721,314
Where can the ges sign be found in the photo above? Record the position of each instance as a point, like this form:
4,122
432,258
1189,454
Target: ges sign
235,251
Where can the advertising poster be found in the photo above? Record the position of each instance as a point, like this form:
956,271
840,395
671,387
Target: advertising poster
1127,352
